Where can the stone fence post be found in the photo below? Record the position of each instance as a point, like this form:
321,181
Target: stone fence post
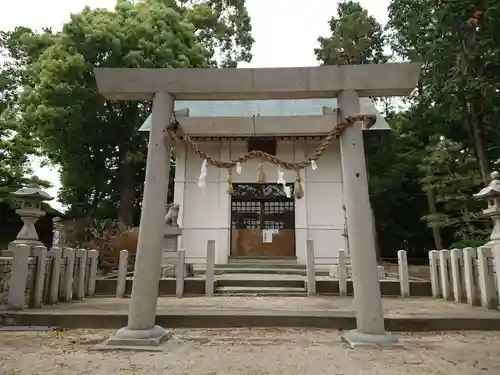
486,282
93,256
56,255
457,280
210,269
66,289
40,255
121,281
444,274
310,269
18,277
180,273
470,276
80,272
496,263
434,272
342,273
404,279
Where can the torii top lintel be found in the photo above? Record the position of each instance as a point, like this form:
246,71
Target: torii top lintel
398,79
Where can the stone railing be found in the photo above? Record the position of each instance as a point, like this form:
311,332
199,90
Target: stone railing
341,269
175,265
469,275
33,277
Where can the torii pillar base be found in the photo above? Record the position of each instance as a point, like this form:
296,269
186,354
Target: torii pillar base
356,339
146,340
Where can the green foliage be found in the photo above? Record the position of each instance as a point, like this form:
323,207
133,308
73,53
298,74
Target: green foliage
395,191
356,38
223,27
457,103
96,143
459,48
423,175
16,144
450,170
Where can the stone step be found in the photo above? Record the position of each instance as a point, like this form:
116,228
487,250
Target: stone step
274,265
260,270
264,283
261,291
262,260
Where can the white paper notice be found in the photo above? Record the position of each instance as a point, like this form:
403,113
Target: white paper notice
267,235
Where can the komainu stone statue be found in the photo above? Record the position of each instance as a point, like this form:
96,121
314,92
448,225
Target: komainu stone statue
172,215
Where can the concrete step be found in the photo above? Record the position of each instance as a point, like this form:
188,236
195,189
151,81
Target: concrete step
262,260
261,291
261,283
274,265
260,270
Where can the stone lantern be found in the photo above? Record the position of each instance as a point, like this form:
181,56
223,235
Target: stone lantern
491,194
31,198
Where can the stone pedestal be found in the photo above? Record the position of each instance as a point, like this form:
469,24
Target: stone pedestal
170,245
171,239
28,232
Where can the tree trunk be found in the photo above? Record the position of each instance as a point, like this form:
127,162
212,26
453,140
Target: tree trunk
378,251
127,172
473,106
436,232
127,194
477,134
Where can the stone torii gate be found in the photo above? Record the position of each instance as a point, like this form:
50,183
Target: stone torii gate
348,83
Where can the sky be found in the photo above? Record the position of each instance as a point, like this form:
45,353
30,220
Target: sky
285,33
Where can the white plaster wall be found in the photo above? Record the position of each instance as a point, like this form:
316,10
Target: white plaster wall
324,199
205,215
204,212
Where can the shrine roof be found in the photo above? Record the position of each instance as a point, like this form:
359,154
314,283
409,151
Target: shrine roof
269,108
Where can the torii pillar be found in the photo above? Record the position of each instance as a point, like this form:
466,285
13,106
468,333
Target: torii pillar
348,82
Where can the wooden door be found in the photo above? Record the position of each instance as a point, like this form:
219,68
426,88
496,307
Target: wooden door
262,221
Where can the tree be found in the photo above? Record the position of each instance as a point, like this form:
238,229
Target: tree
95,141
451,172
457,42
223,27
356,38
15,143
396,195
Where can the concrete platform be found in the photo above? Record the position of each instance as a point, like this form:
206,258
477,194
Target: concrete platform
411,315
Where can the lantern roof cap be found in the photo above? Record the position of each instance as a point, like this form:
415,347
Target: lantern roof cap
492,190
33,190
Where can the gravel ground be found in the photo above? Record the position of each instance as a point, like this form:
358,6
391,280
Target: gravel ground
251,351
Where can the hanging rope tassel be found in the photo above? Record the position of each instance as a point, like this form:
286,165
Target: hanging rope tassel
202,180
230,189
298,190
262,175
281,180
